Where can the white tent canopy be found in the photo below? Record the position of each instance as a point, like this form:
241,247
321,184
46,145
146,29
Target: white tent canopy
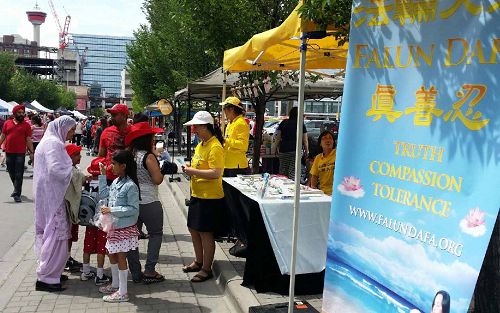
40,107
78,115
5,107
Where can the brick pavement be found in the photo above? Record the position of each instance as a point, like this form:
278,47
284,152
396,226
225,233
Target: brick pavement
175,294
181,191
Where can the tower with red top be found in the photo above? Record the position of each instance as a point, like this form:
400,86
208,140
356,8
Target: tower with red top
37,18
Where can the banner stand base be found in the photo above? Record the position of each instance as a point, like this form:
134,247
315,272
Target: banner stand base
300,307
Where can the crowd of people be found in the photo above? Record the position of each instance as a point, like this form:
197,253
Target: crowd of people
128,171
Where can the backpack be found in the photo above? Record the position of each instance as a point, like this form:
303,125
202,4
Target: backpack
88,207
166,167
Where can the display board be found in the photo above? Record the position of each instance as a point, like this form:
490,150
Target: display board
417,177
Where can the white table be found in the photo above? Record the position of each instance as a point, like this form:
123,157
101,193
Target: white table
314,216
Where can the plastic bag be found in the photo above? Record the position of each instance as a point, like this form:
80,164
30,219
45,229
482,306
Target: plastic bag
105,222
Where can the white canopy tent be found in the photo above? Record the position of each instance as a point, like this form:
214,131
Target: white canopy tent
40,107
78,115
4,107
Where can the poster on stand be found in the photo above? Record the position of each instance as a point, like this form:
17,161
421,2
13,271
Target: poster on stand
416,187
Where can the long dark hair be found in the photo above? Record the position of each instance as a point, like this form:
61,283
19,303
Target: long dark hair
446,301
126,157
36,120
294,112
142,143
215,131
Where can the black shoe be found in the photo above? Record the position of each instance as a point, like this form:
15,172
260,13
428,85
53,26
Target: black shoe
13,194
238,250
74,262
64,277
41,286
138,279
17,199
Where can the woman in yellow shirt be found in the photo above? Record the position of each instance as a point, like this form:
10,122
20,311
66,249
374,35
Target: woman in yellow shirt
207,197
237,135
324,164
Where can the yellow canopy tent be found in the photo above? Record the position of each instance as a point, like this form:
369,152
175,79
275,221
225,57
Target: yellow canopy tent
279,49
290,46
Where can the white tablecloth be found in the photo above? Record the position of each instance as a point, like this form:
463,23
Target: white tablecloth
314,216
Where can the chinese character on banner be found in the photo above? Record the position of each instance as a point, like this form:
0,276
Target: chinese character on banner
383,104
378,14
425,107
469,6
472,120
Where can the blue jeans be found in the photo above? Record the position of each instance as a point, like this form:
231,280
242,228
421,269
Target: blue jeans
15,167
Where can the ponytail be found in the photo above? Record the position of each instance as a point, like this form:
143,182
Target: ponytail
215,131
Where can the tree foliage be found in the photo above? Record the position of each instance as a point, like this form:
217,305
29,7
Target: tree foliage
186,39
21,86
325,13
7,70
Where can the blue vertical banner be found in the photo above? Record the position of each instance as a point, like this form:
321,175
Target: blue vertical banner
417,177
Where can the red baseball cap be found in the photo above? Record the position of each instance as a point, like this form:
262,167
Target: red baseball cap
118,108
72,149
140,129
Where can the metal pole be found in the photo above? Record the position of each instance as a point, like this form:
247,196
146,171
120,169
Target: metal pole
188,130
298,155
223,117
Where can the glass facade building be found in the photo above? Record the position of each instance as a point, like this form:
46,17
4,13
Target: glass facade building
106,57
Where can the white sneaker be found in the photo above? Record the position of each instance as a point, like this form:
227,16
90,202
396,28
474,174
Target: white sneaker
87,276
116,297
108,289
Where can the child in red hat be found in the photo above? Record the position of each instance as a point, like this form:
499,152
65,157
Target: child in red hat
94,242
72,199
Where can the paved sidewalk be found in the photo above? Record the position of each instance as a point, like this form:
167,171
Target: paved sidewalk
175,294
234,267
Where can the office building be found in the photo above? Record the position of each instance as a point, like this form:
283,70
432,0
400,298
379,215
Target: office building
105,58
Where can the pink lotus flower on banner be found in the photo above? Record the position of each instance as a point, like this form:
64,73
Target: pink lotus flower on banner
351,187
473,224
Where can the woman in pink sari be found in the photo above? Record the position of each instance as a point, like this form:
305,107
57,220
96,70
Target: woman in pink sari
52,175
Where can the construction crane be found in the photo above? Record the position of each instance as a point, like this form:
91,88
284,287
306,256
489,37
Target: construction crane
82,55
63,32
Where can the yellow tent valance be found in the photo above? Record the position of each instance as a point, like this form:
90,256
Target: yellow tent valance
279,49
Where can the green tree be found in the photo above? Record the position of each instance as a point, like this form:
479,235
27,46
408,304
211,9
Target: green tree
186,39
336,13
7,70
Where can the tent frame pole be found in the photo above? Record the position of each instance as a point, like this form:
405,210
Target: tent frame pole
298,156
223,116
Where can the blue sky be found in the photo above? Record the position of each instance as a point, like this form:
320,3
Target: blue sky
99,17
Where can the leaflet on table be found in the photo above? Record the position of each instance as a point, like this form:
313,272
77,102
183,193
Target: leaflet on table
417,172
277,187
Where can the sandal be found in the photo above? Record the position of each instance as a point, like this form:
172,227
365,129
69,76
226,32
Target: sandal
157,278
201,278
193,267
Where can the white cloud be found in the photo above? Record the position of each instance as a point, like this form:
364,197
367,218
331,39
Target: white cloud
110,17
407,266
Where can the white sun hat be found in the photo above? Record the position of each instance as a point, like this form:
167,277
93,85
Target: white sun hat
201,118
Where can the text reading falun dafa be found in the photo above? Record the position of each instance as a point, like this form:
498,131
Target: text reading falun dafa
379,12
425,108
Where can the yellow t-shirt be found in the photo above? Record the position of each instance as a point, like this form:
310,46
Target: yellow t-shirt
236,143
207,155
323,167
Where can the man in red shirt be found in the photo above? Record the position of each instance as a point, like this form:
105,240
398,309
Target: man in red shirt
113,137
17,136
